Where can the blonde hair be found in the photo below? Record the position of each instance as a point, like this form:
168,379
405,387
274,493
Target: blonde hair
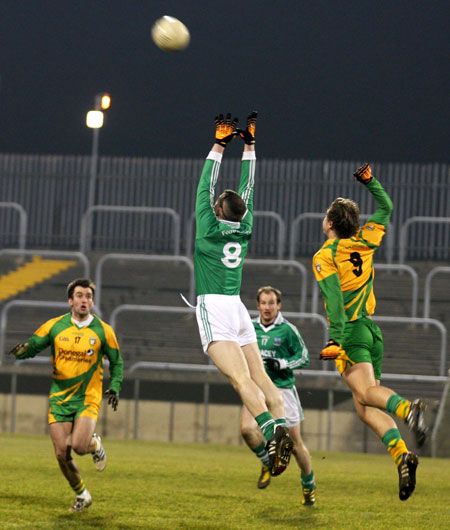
267,289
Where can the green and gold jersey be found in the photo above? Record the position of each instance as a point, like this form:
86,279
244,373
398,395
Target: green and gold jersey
282,340
77,357
344,268
221,246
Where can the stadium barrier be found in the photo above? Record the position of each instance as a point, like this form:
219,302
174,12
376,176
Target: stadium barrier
420,220
52,254
427,294
23,220
142,257
86,222
208,374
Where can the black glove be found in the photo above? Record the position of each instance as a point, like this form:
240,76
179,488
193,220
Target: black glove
19,349
275,364
113,398
249,133
225,129
331,351
363,174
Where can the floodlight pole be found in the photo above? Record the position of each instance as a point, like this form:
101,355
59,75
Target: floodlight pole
94,156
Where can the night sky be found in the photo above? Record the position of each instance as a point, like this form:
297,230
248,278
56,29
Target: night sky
348,80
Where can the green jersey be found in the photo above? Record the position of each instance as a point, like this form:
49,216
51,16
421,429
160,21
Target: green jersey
221,246
77,357
281,340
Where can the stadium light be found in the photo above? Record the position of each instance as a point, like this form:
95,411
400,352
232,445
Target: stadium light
95,121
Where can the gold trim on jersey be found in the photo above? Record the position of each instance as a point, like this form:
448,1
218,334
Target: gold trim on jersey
75,389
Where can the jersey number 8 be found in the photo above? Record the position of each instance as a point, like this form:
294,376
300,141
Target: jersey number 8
232,251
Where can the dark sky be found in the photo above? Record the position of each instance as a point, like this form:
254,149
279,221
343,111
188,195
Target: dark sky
331,79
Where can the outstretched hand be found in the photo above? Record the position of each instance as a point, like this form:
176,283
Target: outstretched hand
363,174
19,349
248,134
225,129
113,398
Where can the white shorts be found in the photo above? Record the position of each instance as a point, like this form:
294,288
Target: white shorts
292,406
223,317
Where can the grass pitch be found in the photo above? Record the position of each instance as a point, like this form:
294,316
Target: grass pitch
192,486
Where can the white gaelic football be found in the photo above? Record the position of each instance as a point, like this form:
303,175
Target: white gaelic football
170,34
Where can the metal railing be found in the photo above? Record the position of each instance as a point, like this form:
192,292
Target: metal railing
317,215
427,295
208,374
439,416
405,227
281,238
86,222
431,321
21,303
22,220
142,257
285,263
51,253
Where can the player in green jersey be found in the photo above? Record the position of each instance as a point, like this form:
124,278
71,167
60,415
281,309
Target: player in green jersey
79,340
343,268
223,231
283,351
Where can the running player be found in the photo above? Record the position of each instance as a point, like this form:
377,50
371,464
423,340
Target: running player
343,268
224,229
78,340
283,351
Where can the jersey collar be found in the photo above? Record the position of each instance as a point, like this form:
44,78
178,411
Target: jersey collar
276,322
83,323
231,224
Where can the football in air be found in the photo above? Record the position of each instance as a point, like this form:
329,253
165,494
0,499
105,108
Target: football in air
170,34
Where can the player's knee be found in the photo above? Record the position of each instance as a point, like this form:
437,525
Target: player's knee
80,447
274,401
63,454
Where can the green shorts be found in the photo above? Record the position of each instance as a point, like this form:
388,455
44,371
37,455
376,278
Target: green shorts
71,411
363,343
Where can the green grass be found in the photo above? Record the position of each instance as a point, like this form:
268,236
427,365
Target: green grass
192,486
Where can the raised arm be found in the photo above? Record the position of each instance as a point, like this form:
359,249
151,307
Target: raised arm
384,204
225,133
247,180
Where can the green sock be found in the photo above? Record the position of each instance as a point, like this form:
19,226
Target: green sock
281,421
398,406
266,424
308,481
396,446
262,454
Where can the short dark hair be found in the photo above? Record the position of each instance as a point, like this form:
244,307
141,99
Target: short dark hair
233,205
344,214
81,282
267,289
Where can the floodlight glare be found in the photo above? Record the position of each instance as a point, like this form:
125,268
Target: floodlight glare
94,119
105,102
